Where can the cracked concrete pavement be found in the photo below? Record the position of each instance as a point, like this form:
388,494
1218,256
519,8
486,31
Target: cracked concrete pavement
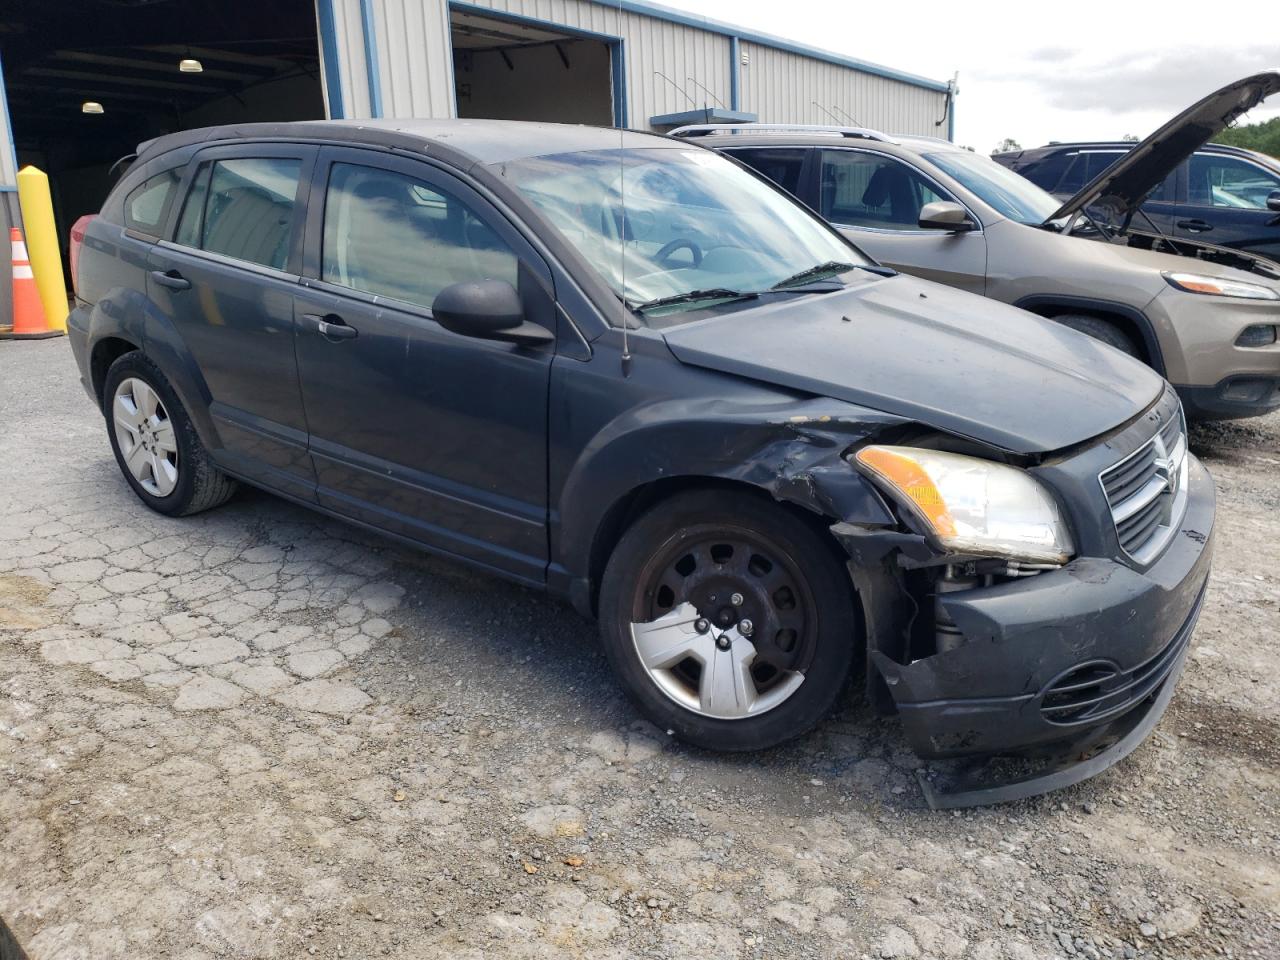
261,733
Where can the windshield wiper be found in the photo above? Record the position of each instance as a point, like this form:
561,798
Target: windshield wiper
694,296
820,272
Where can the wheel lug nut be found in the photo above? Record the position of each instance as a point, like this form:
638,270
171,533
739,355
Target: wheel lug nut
745,627
723,642
736,600
701,625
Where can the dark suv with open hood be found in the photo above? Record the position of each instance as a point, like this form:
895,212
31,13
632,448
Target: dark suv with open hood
624,369
1225,195
1204,316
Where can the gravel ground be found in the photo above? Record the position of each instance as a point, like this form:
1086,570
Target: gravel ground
261,733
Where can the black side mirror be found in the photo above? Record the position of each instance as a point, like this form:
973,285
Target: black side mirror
945,215
488,309
1273,201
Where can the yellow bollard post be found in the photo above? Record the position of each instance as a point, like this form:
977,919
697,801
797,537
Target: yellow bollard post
42,244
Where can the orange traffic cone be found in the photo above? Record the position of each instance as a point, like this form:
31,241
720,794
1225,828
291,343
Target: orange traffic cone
28,314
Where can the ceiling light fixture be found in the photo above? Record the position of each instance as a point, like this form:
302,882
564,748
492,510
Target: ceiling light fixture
189,65
91,106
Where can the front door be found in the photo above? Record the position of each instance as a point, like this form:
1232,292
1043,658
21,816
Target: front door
227,282
1226,204
426,433
875,201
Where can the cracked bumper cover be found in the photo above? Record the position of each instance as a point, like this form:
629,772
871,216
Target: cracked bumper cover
986,697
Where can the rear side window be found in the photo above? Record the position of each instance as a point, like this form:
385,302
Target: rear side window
396,236
782,166
242,209
145,206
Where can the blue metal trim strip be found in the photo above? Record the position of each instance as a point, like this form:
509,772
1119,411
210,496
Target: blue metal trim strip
617,57
617,52
371,59
735,69
329,50
766,40
9,143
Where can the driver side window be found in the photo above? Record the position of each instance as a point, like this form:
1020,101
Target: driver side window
395,236
870,190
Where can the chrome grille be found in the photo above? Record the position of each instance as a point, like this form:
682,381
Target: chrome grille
1146,491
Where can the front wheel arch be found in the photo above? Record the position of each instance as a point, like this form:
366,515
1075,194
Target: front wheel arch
1130,321
624,511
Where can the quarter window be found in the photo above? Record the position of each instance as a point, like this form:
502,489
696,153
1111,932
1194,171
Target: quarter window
396,236
865,189
145,205
782,166
242,209
1215,181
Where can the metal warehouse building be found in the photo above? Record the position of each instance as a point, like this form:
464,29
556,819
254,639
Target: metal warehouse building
84,81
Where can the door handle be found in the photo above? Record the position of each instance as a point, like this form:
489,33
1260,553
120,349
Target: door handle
171,279
331,326
1195,226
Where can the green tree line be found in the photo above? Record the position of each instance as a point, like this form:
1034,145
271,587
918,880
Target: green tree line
1263,137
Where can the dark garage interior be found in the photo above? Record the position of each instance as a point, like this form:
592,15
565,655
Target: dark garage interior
515,70
154,67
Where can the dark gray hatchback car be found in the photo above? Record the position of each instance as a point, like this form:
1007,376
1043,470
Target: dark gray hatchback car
624,369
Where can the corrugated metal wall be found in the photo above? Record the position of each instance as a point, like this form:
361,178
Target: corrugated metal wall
415,67
782,87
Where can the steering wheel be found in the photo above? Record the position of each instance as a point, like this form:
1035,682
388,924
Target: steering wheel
679,243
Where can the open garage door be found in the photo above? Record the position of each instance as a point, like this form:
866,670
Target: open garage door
87,80
518,69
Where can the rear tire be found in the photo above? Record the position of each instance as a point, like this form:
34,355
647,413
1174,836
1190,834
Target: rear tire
1100,329
681,584
155,444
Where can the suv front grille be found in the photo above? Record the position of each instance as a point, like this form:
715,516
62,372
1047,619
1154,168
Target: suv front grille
1147,491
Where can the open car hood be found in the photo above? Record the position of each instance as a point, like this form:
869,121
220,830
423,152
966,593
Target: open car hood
1120,189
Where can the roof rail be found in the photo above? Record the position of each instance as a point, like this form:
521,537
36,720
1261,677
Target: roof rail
710,129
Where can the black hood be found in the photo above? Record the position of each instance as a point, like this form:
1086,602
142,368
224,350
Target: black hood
1120,189
947,359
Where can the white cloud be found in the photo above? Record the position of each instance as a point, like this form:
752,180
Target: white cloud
1086,70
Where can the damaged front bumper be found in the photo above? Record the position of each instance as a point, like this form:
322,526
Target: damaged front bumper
1060,663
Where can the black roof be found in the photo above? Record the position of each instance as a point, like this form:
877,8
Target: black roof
1058,146
481,141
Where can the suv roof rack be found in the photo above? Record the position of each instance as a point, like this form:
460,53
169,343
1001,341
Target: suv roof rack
710,129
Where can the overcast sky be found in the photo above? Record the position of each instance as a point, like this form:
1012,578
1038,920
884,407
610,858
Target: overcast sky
1104,69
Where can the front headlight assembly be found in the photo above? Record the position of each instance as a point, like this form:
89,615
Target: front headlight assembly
1219,287
971,506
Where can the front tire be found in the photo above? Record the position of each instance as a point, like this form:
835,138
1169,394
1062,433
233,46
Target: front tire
728,620
155,443
1100,329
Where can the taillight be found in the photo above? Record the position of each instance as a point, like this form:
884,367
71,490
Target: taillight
77,238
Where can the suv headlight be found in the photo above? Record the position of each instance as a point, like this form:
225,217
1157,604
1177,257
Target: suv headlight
1218,287
973,506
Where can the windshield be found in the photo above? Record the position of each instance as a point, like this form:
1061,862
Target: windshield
697,228
1008,193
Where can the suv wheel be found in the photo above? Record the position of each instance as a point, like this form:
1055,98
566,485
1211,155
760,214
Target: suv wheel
729,621
1100,329
155,444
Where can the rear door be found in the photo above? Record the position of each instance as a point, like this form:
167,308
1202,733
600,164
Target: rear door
227,282
1226,204
875,200
426,433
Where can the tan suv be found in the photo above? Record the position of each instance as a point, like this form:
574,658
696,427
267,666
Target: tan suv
929,208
